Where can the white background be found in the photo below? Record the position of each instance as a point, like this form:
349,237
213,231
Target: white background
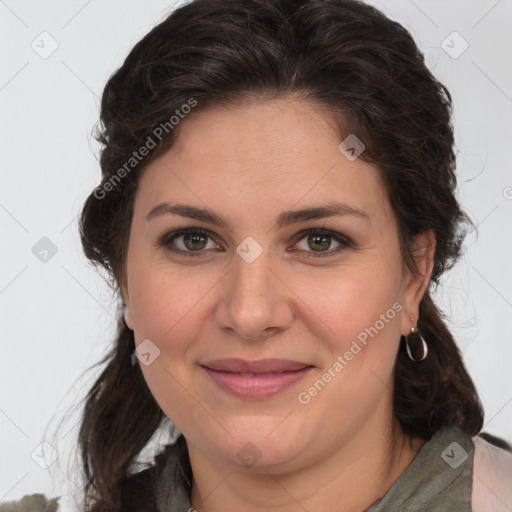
57,317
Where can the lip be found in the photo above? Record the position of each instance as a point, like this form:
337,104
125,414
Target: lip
255,379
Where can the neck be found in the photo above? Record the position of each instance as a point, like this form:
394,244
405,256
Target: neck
349,479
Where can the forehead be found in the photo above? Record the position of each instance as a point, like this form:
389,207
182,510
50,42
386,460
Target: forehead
259,158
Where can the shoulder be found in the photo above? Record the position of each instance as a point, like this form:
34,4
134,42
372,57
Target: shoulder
492,477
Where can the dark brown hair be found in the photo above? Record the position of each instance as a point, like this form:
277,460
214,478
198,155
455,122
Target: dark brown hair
342,54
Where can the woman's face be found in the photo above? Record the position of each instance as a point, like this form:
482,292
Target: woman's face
256,286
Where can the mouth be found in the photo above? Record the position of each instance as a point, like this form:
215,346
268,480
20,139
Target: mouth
255,379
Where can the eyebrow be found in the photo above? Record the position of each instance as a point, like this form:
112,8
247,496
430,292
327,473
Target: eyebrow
284,219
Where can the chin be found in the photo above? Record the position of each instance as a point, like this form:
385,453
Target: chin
259,442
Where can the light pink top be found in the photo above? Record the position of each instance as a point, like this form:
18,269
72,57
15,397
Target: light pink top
492,478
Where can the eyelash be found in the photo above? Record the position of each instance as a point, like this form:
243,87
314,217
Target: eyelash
166,239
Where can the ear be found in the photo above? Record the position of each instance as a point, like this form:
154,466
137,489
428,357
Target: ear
416,285
128,318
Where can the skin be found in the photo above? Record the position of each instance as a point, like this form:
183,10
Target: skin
344,449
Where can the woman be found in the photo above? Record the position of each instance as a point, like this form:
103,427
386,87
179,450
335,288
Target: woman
277,200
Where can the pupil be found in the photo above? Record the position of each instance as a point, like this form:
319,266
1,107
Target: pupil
194,239
321,240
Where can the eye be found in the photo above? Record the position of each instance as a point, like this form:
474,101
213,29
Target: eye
187,241
191,241
319,241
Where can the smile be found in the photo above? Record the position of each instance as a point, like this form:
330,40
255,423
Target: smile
256,384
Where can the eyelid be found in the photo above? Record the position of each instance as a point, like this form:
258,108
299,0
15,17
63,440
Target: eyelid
165,239
344,241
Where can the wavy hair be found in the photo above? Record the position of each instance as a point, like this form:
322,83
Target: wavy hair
342,54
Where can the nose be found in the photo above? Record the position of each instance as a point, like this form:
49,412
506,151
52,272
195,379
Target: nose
255,301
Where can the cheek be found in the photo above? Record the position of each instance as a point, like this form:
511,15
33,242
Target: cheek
163,300
350,301
357,314
168,309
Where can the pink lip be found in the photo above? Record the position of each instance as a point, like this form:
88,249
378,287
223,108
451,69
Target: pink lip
255,379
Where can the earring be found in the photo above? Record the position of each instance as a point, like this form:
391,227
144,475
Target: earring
416,339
